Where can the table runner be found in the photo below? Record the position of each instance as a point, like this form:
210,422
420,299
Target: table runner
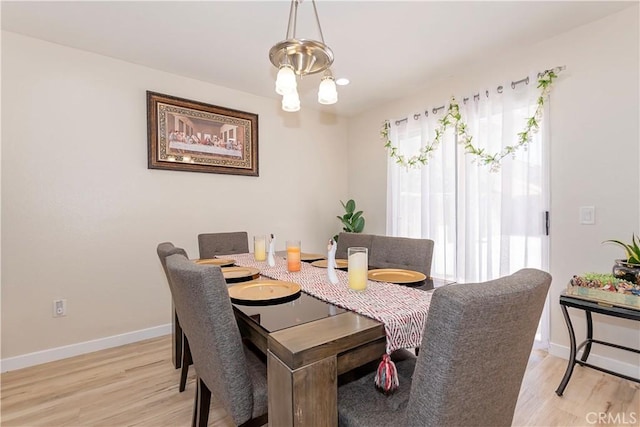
402,310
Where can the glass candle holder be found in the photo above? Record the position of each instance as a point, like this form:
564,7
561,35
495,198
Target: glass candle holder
259,248
358,259
293,255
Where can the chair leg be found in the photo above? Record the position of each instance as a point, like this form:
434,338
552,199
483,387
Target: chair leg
195,403
202,405
177,339
186,362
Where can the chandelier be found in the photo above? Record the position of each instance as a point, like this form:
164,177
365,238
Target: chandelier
298,57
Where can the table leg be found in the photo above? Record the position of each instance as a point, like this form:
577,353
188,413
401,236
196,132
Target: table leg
587,348
306,396
572,355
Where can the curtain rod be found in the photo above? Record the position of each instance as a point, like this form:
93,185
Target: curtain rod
476,97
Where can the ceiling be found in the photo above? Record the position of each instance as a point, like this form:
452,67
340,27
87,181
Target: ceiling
387,49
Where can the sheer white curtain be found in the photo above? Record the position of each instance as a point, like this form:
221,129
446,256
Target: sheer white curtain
484,224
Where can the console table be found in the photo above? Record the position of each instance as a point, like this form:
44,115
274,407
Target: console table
589,307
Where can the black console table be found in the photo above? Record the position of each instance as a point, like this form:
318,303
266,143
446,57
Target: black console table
589,307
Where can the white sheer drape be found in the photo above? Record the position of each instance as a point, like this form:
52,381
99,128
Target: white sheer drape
484,224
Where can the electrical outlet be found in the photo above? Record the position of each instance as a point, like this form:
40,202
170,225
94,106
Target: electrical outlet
59,307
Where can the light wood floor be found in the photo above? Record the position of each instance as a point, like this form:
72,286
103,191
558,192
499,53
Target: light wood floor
136,385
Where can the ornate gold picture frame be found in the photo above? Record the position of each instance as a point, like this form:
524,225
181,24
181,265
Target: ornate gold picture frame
187,135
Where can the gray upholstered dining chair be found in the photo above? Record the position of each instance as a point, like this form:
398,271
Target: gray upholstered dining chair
224,366
212,244
181,344
475,347
401,252
349,240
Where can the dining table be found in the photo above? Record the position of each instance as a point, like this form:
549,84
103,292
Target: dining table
309,342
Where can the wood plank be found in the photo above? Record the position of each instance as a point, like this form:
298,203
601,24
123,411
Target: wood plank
304,344
316,398
363,354
280,389
305,396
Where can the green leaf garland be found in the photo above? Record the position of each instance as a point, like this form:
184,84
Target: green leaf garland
453,118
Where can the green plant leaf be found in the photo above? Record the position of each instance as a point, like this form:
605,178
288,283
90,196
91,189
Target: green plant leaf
352,222
358,225
351,206
634,257
347,225
632,251
617,242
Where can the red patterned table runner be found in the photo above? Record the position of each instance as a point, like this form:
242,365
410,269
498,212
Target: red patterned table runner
401,309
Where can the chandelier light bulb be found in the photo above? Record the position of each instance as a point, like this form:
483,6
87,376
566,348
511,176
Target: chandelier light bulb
286,80
291,101
327,92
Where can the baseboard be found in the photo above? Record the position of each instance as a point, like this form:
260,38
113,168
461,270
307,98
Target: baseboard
596,360
52,354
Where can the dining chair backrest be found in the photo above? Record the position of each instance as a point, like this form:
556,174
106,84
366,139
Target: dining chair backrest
203,304
401,252
165,249
350,240
475,349
212,244
180,348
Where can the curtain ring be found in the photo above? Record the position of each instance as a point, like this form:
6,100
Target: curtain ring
476,97
416,116
426,113
499,89
486,93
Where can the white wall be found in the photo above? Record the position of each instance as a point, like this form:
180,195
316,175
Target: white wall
594,153
82,214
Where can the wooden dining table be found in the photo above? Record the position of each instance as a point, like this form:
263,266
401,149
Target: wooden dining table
309,343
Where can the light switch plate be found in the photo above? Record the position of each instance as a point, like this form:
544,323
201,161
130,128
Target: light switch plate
587,215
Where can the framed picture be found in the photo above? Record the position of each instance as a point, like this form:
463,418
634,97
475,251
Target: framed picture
193,136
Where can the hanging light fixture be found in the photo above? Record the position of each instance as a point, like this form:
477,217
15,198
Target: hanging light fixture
286,80
291,101
298,57
327,92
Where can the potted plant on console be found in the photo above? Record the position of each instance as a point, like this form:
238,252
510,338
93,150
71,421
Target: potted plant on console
628,269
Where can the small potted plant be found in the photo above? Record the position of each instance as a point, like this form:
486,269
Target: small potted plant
629,268
352,221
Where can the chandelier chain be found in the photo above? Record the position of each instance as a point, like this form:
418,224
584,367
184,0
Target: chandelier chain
315,11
